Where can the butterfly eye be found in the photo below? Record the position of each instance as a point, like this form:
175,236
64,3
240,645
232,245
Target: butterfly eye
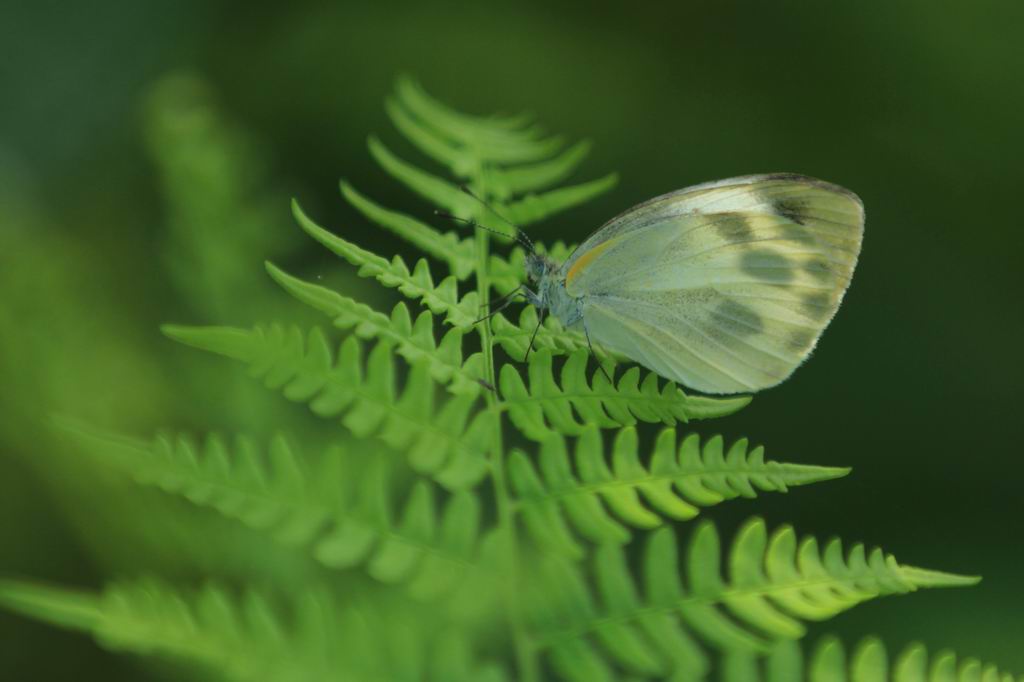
534,268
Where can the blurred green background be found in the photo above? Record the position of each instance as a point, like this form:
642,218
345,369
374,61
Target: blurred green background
148,151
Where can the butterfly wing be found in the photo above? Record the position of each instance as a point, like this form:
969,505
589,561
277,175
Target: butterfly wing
725,287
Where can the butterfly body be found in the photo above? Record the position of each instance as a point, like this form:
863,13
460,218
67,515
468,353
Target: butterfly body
724,287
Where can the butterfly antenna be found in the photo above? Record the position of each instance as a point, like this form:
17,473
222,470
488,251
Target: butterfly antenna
473,223
521,236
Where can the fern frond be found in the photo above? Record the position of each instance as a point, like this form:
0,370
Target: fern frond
248,639
533,208
414,342
438,191
418,284
509,181
869,662
464,159
551,336
549,407
443,443
676,483
488,140
342,514
477,149
772,585
526,210
459,254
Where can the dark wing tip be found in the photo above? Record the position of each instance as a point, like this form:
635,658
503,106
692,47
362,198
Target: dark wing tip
808,180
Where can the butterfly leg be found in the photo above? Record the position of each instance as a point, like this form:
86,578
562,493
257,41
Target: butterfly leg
586,332
503,302
540,321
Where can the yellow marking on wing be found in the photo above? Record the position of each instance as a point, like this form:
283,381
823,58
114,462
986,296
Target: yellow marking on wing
584,260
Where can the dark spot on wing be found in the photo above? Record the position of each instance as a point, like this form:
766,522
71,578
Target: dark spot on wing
737,317
767,266
792,209
816,306
811,182
819,270
731,227
801,340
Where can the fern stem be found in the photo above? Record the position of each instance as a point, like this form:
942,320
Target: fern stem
525,651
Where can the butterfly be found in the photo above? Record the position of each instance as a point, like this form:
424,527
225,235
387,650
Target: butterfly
723,287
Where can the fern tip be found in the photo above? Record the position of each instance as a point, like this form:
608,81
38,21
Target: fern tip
58,606
276,273
176,332
815,474
228,341
923,577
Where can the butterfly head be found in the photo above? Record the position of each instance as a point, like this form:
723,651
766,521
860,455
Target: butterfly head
539,266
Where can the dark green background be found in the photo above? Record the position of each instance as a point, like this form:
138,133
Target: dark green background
916,106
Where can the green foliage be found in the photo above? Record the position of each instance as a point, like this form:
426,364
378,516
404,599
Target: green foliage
414,342
869,662
678,481
772,584
427,565
445,442
321,507
222,214
317,638
549,406
416,284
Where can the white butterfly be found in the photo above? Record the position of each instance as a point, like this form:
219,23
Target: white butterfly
724,287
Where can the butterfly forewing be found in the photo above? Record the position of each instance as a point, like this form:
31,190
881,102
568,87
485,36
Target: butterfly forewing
724,287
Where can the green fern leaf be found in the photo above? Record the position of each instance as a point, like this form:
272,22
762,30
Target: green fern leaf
524,211
476,149
342,514
514,338
533,208
549,407
869,662
459,254
444,443
414,342
773,583
508,181
273,490
678,481
249,639
489,140
418,284
439,192
465,158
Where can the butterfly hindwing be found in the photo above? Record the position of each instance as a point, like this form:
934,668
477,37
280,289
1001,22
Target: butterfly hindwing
724,287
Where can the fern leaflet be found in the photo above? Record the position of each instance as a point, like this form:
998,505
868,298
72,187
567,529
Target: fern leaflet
249,639
677,482
548,407
418,284
414,342
342,513
447,443
772,584
448,247
869,662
